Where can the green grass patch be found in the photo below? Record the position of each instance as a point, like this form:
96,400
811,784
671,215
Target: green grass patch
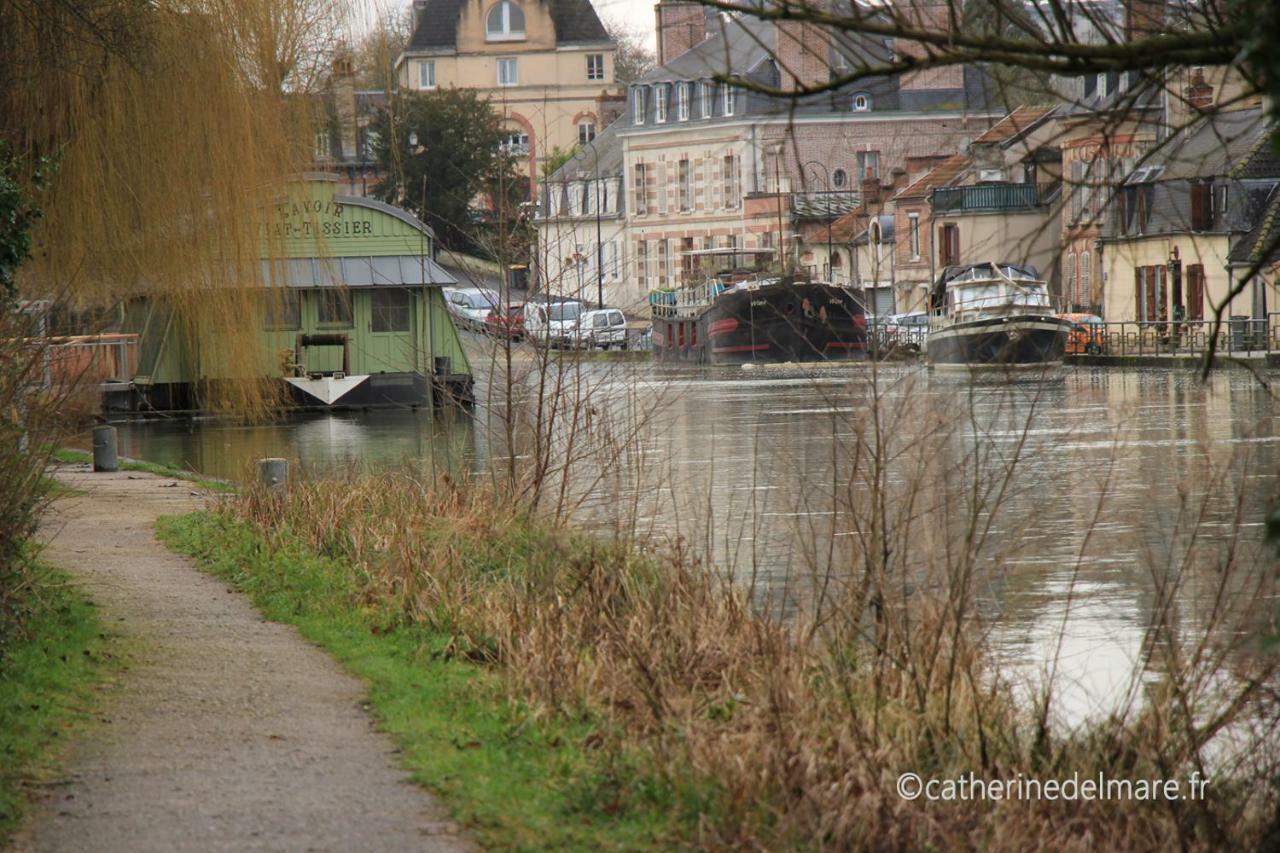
516,781
47,676
69,456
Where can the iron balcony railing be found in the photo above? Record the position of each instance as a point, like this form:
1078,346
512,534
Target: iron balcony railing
991,197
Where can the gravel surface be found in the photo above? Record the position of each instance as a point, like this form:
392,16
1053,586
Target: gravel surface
225,732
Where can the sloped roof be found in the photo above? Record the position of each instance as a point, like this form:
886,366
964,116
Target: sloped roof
1214,146
606,146
940,175
1263,161
575,22
823,205
1013,124
737,46
1249,248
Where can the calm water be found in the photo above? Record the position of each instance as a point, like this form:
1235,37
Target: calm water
756,469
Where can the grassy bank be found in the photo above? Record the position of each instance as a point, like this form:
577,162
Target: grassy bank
561,692
80,457
516,778
47,673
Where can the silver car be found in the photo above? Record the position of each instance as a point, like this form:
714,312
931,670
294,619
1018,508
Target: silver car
470,305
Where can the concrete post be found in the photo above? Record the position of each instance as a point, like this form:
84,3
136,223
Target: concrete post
104,449
274,474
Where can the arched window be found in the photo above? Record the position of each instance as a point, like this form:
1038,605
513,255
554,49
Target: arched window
1086,280
839,178
1071,279
861,102
505,22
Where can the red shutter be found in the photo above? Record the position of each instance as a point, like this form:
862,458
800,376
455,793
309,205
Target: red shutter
1164,294
1139,280
1195,292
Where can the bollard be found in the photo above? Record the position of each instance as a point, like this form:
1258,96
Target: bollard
274,474
104,449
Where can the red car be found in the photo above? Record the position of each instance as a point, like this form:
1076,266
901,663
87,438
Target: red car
506,321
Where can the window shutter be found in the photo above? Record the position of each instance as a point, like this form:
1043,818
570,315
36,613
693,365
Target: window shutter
1139,303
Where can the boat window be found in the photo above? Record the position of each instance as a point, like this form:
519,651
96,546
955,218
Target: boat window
283,311
565,311
392,308
334,309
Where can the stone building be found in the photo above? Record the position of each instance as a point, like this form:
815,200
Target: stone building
546,66
710,161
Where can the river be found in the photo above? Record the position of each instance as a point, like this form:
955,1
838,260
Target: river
1125,478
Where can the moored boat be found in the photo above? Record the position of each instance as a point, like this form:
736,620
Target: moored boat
739,315
994,315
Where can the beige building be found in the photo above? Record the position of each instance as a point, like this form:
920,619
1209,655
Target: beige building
546,65
1183,225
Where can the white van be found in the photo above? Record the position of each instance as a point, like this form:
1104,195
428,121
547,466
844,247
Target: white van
604,329
554,323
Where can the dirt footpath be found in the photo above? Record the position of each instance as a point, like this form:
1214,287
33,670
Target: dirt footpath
225,732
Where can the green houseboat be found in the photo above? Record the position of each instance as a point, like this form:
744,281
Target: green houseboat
354,316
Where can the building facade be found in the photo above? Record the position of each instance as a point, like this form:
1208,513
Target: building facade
706,161
546,65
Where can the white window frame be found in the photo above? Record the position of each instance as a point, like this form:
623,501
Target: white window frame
708,93
660,104
513,63
506,33
729,99
839,178
682,101
586,131
861,102
427,74
638,105
597,60
913,232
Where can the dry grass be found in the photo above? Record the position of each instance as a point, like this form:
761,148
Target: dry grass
773,734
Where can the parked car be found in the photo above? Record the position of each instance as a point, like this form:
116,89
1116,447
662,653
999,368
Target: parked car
1088,335
908,331
470,306
603,328
506,321
553,322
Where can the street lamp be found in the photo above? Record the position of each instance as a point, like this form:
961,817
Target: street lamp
826,174
595,156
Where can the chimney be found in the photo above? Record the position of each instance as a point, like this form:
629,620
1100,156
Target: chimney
934,17
681,25
1143,18
1199,94
803,55
870,187
343,83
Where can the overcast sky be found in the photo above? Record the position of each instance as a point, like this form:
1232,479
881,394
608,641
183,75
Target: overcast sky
635,15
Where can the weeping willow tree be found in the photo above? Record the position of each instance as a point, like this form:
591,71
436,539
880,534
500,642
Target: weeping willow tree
174,124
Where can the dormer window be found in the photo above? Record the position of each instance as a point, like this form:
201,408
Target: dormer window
504,23
729,98
660,104
682,101
1102,85
861,102
708,92
637,105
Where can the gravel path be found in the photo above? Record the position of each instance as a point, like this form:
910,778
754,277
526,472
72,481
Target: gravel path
225,732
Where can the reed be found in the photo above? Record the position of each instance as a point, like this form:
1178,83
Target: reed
770,731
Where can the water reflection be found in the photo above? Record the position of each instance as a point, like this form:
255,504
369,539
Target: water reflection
753,469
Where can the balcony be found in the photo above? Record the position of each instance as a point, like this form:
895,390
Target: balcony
987,198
